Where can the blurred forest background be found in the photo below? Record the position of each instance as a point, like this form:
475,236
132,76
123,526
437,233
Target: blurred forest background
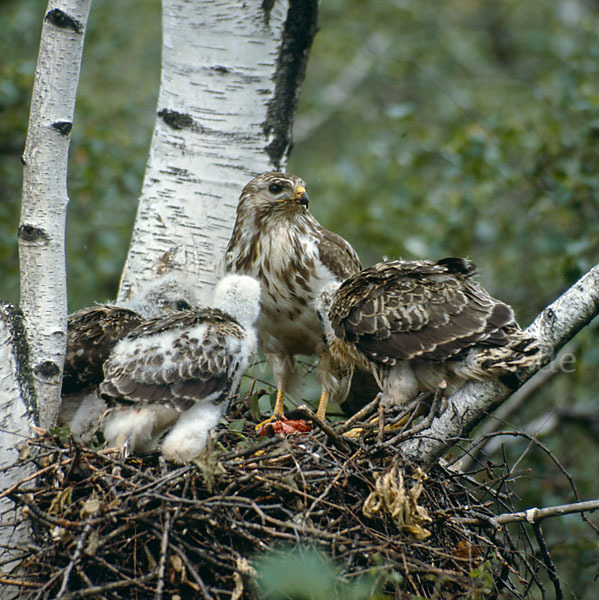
425,129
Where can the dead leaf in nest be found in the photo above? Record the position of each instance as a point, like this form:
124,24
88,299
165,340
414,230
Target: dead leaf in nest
93,544
465,549
90,507
60,534
177,569
390,496
238,591
24,450
61,501
243,567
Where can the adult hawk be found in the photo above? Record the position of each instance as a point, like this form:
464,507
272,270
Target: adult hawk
417,323
179,370
278,241
93,332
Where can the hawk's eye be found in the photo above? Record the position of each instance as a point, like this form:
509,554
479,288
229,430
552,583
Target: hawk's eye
274,188
182,305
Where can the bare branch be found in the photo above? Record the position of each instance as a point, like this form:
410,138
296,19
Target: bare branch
555,326
533,515
559,594
505,411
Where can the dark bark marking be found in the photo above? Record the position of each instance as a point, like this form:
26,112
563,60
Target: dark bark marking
30,233
61,19
298,34
176,120
64,127
47,369
266,9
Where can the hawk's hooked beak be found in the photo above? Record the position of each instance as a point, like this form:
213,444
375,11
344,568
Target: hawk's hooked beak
301,195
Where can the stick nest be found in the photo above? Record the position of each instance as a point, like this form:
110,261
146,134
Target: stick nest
108,527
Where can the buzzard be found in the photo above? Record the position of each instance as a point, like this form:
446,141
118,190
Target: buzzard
278,241
93,332
417,323
177,371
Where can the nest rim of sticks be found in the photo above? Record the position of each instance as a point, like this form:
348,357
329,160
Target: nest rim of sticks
106,526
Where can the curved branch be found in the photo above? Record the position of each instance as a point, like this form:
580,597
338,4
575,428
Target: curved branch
555,326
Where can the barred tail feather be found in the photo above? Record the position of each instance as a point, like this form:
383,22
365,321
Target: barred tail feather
521,351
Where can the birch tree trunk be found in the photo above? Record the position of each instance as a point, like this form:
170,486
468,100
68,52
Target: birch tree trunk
17,411
32,344
555,326
231,74
43,212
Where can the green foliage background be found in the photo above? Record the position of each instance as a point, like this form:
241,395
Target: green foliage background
425,129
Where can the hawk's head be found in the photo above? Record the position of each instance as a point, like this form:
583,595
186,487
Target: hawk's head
274,192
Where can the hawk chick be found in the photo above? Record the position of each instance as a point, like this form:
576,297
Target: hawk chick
179,370
417,323
93,332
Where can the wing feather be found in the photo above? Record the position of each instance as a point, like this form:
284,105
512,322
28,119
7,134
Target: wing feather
426,310
92,333
179,358
337,255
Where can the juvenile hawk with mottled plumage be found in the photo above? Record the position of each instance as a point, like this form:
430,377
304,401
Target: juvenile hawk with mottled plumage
93,332
417,323
278,241
176,372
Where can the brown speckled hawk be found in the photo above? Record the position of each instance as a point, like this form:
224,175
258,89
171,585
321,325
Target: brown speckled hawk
278,241
416,323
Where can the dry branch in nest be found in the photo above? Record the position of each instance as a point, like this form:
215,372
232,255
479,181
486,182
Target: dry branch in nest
107,527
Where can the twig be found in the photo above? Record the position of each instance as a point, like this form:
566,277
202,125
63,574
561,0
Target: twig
76,555
559,595
380,436
13,487
330,485
163,552
426,422
328,430
251,450
108,587
189,565
507,409
361,414
18,582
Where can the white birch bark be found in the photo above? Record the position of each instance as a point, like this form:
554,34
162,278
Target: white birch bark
230,81
17,412
43,212
555,326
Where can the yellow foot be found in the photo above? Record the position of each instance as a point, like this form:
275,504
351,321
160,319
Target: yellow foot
277,413
321,413
419,410
258,428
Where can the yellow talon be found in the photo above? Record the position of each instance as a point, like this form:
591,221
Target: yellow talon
321,413
277,413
